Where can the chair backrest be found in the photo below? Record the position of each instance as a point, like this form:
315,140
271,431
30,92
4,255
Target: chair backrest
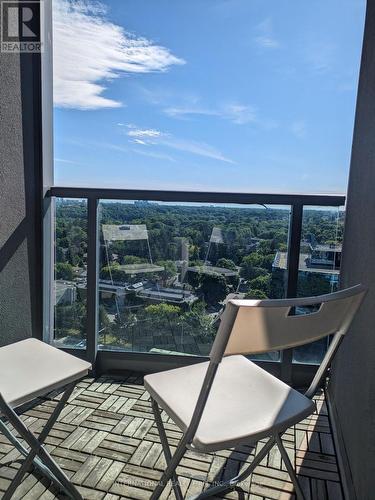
257,326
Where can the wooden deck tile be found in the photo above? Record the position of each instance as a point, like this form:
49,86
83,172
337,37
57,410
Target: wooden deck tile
106,441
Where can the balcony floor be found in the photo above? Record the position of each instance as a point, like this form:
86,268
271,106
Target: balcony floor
107,442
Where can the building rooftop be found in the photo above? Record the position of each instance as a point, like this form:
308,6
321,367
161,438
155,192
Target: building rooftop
327,248
124,232
61,288
140,268
106,441
212,270
281,258
174,295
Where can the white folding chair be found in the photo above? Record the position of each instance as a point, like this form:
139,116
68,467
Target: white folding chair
229,400
30,369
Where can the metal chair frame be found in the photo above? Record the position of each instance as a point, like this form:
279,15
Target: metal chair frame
37,454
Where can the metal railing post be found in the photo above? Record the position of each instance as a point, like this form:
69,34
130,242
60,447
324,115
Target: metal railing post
294,245
92,280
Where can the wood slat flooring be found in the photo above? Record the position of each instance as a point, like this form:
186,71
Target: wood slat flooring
107,443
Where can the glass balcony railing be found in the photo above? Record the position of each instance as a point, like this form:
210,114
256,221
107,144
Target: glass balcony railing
150,273
167,270
70,273
319,265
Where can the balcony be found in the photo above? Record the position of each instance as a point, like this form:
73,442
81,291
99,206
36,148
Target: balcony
138,280
135,281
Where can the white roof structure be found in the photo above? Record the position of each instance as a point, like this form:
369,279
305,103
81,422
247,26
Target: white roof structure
205,269
216,235
125,232
281,262
142,268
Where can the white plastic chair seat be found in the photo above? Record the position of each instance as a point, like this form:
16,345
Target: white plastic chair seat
31,368
245,403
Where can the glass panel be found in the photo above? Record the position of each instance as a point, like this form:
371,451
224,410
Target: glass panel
167,270
70,272
319,266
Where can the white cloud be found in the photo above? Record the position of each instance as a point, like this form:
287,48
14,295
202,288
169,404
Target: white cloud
90,51
264,35
153,137
234,112
143,132
181,111
267,42
196,148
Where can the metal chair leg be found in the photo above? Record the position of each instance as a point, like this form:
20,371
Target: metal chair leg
166,449
19,446
231,483
37,449
290,468
170,470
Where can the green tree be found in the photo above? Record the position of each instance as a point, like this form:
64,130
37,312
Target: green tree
104,321
268,260
255,259
250,265
133,259
313,284
64,271
227,264
250,271
213,287
170,269
255,294
163,310
113,271
162,317
261,283
193,279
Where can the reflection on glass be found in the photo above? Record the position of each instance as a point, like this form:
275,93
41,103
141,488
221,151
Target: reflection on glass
319,266
69,287
166,271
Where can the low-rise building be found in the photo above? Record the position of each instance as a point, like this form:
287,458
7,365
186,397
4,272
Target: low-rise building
169,295
331,273
65,292
324,256
205,269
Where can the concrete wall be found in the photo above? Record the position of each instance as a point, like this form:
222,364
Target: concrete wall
20,198
352,386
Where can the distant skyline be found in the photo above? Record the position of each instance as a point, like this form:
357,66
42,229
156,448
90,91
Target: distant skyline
217,95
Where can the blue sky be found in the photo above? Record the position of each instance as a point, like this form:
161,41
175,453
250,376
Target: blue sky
227,95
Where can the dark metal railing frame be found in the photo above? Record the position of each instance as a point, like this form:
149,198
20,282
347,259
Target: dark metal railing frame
116,360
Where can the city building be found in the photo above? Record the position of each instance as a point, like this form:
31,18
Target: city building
207,269
312,263
324,256
168,295
65,292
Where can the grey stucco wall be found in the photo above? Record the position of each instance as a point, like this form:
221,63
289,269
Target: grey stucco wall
20,192
352,386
